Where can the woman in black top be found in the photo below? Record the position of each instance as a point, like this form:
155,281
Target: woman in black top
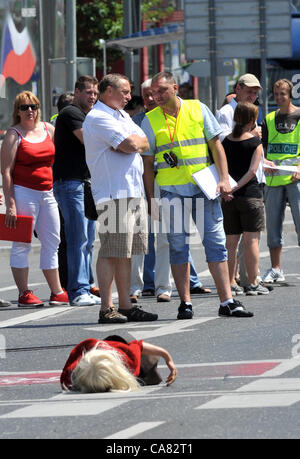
244,212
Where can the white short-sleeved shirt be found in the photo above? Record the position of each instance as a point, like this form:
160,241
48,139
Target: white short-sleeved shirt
113,175
224,117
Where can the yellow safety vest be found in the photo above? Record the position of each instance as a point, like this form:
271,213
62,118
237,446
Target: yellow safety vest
189,143
283,149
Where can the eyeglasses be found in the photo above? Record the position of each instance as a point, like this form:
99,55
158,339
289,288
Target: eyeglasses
171,159
25,107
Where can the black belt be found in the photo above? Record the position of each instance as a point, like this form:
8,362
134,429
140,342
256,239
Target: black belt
70,179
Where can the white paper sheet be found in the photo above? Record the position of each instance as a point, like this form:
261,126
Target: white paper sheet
208,179
282,168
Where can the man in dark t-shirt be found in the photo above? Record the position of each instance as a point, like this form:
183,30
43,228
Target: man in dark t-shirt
70,172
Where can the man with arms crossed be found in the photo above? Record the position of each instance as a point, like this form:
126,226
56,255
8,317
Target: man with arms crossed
113,145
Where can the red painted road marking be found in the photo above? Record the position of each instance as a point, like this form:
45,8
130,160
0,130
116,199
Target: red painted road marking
231,369
21,379
217,370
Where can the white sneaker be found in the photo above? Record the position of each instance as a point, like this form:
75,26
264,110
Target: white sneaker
258,289
84,300
273,275
4,303
96,298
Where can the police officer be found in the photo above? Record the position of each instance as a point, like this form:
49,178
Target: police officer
281,140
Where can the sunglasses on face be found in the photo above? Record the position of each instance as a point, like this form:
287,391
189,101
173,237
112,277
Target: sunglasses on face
25,107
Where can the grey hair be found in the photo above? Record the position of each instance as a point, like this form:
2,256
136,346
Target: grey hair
146,84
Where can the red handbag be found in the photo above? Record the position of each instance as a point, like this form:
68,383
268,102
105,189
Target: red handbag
22,232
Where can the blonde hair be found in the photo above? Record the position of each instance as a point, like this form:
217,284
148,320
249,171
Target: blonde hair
102,370
284,82
20,99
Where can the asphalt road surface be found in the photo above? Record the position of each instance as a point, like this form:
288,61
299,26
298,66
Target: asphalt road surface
238,378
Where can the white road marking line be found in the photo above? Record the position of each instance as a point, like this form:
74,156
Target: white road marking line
259,394
283,367
133,431
41,314
14,287
276,385
70,404
158,329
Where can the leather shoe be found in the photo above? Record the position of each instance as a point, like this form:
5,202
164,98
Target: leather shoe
200,290
148,292
134,298
163,298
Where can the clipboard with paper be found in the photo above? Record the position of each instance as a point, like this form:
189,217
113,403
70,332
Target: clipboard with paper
208,179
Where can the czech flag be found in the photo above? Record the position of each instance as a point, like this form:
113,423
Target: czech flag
18,59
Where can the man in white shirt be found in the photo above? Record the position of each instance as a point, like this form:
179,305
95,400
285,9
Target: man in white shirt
113,144
247,89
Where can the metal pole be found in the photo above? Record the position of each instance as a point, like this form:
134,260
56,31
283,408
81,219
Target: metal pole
127,30
71,49
103,45
42,51
213,53
104,59
263,55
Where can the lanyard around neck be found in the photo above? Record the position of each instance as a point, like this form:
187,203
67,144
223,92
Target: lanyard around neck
167,123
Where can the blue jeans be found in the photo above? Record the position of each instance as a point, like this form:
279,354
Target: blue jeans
275,203
208,217
79,233
149,265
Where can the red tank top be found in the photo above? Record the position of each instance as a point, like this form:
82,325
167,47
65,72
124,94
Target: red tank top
33,166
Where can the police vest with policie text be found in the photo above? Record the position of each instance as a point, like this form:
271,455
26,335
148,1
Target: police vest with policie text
189,143
283,150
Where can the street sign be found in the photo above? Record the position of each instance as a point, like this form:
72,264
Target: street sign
202,68
224,29
237,29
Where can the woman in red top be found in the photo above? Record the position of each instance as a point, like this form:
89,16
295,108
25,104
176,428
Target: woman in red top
27,155
113,364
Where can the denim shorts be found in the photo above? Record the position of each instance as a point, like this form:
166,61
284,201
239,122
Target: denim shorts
275,203
208,218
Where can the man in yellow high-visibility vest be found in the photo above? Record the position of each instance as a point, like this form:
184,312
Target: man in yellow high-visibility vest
281,141
180,134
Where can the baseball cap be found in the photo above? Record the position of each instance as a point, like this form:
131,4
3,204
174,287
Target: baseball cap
249,80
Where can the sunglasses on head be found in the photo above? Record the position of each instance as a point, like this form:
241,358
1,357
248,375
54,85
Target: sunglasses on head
25,107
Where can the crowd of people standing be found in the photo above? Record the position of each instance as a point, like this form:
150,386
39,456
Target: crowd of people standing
100,155
102,168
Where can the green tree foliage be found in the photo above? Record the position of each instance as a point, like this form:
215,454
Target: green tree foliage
98,19
104,19
155,11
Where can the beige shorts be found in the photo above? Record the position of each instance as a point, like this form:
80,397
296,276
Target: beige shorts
123,228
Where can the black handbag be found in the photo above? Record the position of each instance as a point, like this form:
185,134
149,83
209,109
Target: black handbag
89,205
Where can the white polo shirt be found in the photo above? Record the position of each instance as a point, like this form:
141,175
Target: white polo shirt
113,175
224,117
